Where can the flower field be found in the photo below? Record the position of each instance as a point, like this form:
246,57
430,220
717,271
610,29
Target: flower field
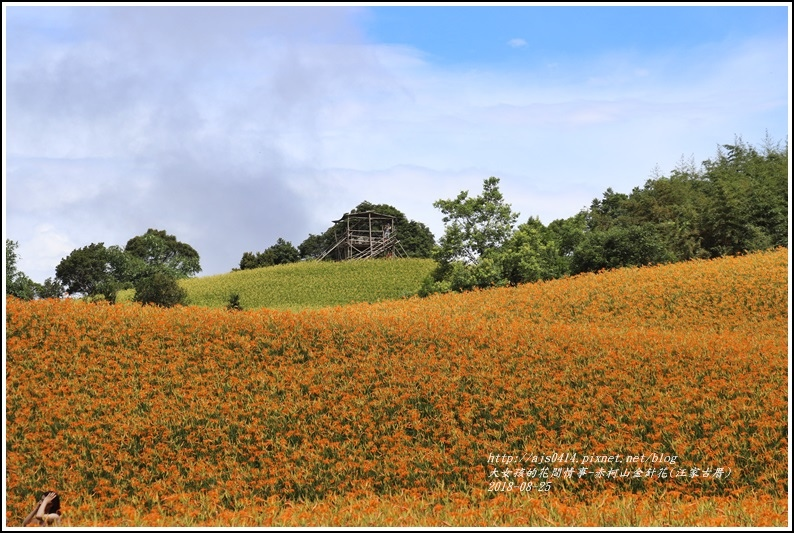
308,284
640,396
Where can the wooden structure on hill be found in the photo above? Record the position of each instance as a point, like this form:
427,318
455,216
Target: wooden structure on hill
365,235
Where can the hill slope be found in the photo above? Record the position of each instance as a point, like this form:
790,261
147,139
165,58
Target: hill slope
309,284
667,384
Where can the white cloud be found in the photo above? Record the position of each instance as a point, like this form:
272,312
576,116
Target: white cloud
44,248
516,43
260,129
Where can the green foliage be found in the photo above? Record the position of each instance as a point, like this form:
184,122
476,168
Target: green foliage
748,193
51,288
161,251
532,254
159,288
470,253
737,202
476,225
106,290
17,283
127,268
314,245
90,270
11,262
234,302
99,272
21,286
734,203
281,253
567,233
613,209
249,260
620,246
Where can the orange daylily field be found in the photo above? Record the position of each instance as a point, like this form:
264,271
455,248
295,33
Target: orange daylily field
639,396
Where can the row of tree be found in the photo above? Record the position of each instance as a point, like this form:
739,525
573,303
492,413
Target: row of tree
736,202
150,263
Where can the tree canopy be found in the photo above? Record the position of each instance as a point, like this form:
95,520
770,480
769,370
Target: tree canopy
94,269
474,226
97,270
281,253
735,203
160,289
161,251
470,251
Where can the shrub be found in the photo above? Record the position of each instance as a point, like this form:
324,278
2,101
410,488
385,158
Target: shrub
234,303
160,289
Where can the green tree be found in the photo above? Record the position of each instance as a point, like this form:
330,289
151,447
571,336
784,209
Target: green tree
568,232
737,202
161,251
159,288
672,205
769,172
747,206
234,302
620,246
611,210
85,270
416,238
314,245
249,260
281,253
470,253
11,262
96,270
476,225
532,253
51,288
17,283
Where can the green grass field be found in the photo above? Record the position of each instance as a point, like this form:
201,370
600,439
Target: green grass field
309,284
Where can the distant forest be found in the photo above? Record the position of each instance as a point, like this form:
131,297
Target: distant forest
735,203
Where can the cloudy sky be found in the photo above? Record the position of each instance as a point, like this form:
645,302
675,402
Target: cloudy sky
232,126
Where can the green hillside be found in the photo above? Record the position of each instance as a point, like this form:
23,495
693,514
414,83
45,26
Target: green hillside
309,284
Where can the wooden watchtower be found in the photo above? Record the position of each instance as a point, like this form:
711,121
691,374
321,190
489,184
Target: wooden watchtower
365,235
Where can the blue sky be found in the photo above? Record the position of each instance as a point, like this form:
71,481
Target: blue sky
476,34
230,127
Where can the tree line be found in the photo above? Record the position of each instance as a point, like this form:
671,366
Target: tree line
734,203
150,263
